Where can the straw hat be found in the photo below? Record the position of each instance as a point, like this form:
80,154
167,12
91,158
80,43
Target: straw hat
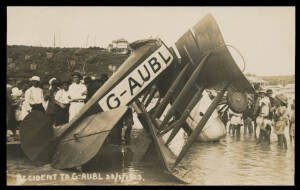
269,91
282,98
35,78
51,80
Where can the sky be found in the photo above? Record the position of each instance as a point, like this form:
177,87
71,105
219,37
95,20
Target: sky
265,36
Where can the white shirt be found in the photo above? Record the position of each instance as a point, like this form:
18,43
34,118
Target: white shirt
16,92
236,118
62,96
34,95
265,104
76,90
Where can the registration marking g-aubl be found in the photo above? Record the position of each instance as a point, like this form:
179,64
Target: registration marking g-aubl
137,80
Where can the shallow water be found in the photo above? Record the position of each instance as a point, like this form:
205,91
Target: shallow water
234,161
231,161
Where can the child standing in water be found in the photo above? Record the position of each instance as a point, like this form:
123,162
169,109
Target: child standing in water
281,119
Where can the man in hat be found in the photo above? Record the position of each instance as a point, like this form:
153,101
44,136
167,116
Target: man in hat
247,118
103,78
77,95
281,119
235,122
25,107
92,87
269,94
63,102
17,96
52,107
10,113
262,119
16,91
34,95
52,81
292,122
257,97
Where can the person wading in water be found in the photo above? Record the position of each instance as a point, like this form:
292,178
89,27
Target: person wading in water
262,119
281,119
292,123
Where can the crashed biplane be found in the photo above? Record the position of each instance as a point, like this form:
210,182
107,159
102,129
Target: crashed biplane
151,70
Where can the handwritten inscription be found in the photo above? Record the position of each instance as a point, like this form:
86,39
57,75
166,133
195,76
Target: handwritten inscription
112,177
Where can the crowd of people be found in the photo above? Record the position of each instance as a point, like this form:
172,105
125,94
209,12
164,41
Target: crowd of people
266,113
61,100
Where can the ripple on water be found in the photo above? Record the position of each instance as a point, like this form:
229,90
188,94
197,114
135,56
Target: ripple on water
243,162
230,161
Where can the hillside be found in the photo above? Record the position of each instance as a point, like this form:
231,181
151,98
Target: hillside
275,80
58,62
283,79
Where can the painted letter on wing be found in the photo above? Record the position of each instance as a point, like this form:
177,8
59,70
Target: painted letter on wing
137,80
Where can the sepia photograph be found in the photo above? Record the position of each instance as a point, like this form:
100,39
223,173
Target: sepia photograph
150,95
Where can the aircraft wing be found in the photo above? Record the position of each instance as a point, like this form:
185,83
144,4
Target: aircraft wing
220,67
83,142
84,135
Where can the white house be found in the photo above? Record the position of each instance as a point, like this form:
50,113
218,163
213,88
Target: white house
49,55
33,66
27,57
120,46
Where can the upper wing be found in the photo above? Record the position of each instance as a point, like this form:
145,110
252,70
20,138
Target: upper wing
220,67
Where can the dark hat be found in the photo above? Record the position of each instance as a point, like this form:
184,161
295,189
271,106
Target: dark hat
88,78
76,74
269,91
282,98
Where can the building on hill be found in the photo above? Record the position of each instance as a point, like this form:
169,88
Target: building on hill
120,46
9,60
33,66
11,65
27,57
109,47
112,68
49,55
